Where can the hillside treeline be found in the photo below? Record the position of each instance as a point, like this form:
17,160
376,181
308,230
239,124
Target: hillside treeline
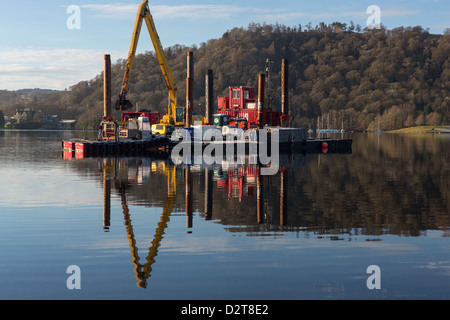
367,80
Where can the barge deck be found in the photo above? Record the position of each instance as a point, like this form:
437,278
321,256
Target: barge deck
83,148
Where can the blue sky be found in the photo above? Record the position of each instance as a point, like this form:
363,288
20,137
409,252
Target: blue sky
38,50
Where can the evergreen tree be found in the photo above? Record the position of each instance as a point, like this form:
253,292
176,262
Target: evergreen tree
2,119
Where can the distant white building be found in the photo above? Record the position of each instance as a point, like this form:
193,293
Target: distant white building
23,115
68,124
46,121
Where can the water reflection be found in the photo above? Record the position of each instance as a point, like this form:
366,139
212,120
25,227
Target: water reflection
123,172
237,181
389,185
310,231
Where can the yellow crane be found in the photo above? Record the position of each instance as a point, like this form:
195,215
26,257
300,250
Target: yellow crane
175,114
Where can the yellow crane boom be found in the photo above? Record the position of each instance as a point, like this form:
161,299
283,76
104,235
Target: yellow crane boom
175,114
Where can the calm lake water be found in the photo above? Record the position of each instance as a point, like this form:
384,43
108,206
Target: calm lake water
135,233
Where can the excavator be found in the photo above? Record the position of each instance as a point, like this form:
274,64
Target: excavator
175,114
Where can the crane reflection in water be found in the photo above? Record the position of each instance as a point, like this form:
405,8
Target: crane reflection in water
238,181
113,169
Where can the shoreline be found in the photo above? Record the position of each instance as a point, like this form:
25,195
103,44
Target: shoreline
423,129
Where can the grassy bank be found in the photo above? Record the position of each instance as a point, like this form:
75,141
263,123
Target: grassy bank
424,129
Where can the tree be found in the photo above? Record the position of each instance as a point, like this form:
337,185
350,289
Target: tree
358,74
433,119
2,119
352,26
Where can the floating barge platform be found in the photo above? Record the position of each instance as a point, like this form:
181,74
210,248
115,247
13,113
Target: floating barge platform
242,124
84,148
291,141
306,146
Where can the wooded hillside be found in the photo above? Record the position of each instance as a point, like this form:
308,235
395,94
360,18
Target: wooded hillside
363,80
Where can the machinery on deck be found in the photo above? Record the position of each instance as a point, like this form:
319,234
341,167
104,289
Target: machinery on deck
175,115
240,108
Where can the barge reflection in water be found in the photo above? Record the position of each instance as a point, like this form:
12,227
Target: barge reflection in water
237,180
264,205
385,204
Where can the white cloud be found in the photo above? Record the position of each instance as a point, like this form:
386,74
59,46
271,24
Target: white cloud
290,16
125,11
48,69
399,13
113,11
338,15
196,11
384,13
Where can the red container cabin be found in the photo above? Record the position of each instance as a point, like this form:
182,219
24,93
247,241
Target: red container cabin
69,146
153,117
81,150
241,104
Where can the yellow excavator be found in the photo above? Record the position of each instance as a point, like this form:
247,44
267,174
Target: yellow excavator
175,116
